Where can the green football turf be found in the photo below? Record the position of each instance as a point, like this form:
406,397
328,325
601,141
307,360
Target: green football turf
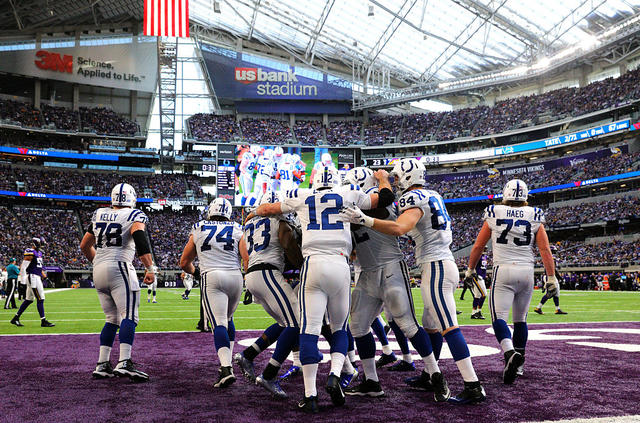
78,311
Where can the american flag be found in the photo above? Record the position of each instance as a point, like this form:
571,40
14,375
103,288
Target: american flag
166,18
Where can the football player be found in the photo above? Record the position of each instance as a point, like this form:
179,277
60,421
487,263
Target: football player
267,239
384,280
423,216
216,242
152,289
247,168
299,171
111,241
550,294
514,228
285,173
187,281
31,273
476,283
326,277
264,172
325,161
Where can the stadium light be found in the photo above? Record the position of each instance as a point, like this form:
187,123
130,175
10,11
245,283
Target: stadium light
216,7
370,11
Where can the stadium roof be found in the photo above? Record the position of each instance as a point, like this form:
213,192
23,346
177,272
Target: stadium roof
419,40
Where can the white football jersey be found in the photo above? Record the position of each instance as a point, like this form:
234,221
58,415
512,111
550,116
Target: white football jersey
319,166
217,244
323,233
248,163
432,233
188,278
375,249
286,170
263,244
264,167
513,233
112,230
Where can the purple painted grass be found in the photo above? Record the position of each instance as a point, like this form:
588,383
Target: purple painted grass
48,379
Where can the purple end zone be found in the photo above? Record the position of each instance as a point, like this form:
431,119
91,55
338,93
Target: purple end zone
48,379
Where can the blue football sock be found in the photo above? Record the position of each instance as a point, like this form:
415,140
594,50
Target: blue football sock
481,301
501,329
287,340
127,331
436,343
309,353
340,342
520,335
366,346
231,329
544,299
457,344
350,338
108,334
270,336
40,305
221,337
475,303
378,329
23,307
400,338
422,343
556,301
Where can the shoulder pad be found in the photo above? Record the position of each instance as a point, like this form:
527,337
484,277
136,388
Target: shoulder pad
538,214
413,198
489,212
292,193
28,251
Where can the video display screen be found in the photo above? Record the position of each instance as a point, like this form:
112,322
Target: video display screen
262,168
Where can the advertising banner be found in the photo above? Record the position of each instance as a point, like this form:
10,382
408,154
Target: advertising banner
239,76
50,153
65,197
131,66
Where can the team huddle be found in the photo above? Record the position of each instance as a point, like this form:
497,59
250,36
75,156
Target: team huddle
357,218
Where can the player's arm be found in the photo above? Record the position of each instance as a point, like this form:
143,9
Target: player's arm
87,246
289,244
23,267
384,197
244,254
143,249
269,209
188,256
405,222
476,252
542,240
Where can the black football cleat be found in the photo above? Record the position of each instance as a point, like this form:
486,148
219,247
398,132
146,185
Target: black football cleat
103,371
16,321
126,368
225,377
402,366
472,393
368,388
441,392
46,324
334,390
559,311
246,366
538,310
422,382
386,359
478,316
458,312
309,405
520,370
273,386
512,360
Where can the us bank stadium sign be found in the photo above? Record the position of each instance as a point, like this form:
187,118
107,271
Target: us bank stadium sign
131,66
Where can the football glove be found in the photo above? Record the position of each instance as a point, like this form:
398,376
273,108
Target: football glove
551,286
196,274
469,272
248,297
355,215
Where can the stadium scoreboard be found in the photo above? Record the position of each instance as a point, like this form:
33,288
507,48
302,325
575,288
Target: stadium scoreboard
225,177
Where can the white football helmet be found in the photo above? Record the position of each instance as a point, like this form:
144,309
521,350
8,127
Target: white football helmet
268,153
407,173
255,149
515,190
361,176
219,207
278,151
326,159
327,177
296,158
123,195
269,197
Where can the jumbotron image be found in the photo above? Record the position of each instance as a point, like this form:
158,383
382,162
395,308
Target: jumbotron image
360,211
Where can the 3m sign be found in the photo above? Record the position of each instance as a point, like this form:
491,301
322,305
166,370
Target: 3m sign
54,61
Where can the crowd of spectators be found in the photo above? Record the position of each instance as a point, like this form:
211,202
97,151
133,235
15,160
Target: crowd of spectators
579,254
623,207
74,182
210,127
99,119
266,131
309,132
505,115
493,184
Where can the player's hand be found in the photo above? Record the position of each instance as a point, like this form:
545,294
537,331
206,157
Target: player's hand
355,215
551,285
469,273
196,274
149,278
381,175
